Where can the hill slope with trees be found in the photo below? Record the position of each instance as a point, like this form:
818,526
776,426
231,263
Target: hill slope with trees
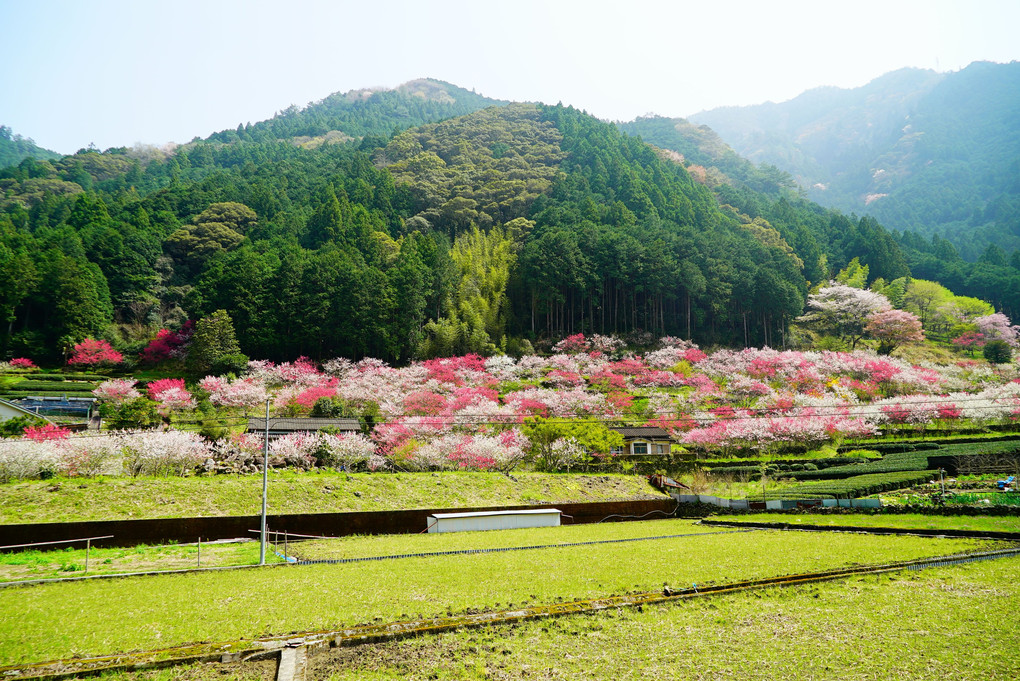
498,229
920,151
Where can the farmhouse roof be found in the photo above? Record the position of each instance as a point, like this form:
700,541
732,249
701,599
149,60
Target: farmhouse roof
646,432
294,425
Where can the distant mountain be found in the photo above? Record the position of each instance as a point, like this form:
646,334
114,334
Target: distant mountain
918,150
15,148
343,116
700,146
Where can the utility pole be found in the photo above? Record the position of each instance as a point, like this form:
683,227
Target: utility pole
265,488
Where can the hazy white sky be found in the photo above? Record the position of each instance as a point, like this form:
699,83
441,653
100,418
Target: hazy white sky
116,73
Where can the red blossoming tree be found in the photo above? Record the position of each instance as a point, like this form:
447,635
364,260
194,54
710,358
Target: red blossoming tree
91,352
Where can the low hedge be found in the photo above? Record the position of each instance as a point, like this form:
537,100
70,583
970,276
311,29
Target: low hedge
850,488
62,386
19,394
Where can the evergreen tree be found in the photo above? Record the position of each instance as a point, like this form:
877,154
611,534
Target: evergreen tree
213,340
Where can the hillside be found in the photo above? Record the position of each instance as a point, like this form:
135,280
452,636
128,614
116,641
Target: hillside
15,148
346,116
334,231
919,151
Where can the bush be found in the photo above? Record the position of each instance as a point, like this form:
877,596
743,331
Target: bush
333,408
21,459
15,427
164,453
137,413
998,352
92,352
234,363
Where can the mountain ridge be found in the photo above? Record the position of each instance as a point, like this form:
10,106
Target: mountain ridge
920,151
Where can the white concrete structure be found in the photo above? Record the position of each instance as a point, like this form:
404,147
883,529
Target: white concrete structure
12,411
493,520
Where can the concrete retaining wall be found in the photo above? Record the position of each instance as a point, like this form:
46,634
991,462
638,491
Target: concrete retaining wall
183,530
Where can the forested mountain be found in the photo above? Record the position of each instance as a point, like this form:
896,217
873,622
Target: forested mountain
344,116
508,226
15,148
930,153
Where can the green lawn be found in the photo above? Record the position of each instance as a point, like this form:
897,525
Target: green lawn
53,621
77,499
947,623
894,520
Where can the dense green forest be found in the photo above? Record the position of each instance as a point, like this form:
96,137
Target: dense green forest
766,192
415,223
931,153
15,148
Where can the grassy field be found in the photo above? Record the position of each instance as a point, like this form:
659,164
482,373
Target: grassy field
70,562
54,621
78,499
895,520
891,627
887,627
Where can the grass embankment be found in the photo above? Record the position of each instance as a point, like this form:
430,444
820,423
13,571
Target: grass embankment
97,617
912,521
79,499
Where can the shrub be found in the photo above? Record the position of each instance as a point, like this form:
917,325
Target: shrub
333,408
234,363
91,352
15,427
91,456
21,459
139,412
22,363
164,453
998,352
45,432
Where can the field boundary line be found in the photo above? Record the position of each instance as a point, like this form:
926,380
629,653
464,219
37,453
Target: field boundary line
504,549
917,532
312,641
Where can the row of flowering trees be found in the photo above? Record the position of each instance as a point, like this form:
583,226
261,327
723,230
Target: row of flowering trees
473,413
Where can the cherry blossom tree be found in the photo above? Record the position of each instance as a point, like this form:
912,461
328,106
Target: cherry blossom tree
892,328
998,327
843,311
116,391
970,340
91,352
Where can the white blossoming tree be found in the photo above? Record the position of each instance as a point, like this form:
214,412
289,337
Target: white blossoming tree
843,311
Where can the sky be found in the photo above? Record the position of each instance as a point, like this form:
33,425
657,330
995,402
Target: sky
113,73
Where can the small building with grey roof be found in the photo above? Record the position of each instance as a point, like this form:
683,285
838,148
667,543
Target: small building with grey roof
643,441
280,426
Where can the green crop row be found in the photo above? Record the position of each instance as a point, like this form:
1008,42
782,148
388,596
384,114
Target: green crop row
890,463
39,376
63,386
18,394
849,488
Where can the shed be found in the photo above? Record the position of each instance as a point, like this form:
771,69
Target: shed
278,427
643,441
9,410
493,520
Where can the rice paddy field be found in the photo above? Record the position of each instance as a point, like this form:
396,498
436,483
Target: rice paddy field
95,617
